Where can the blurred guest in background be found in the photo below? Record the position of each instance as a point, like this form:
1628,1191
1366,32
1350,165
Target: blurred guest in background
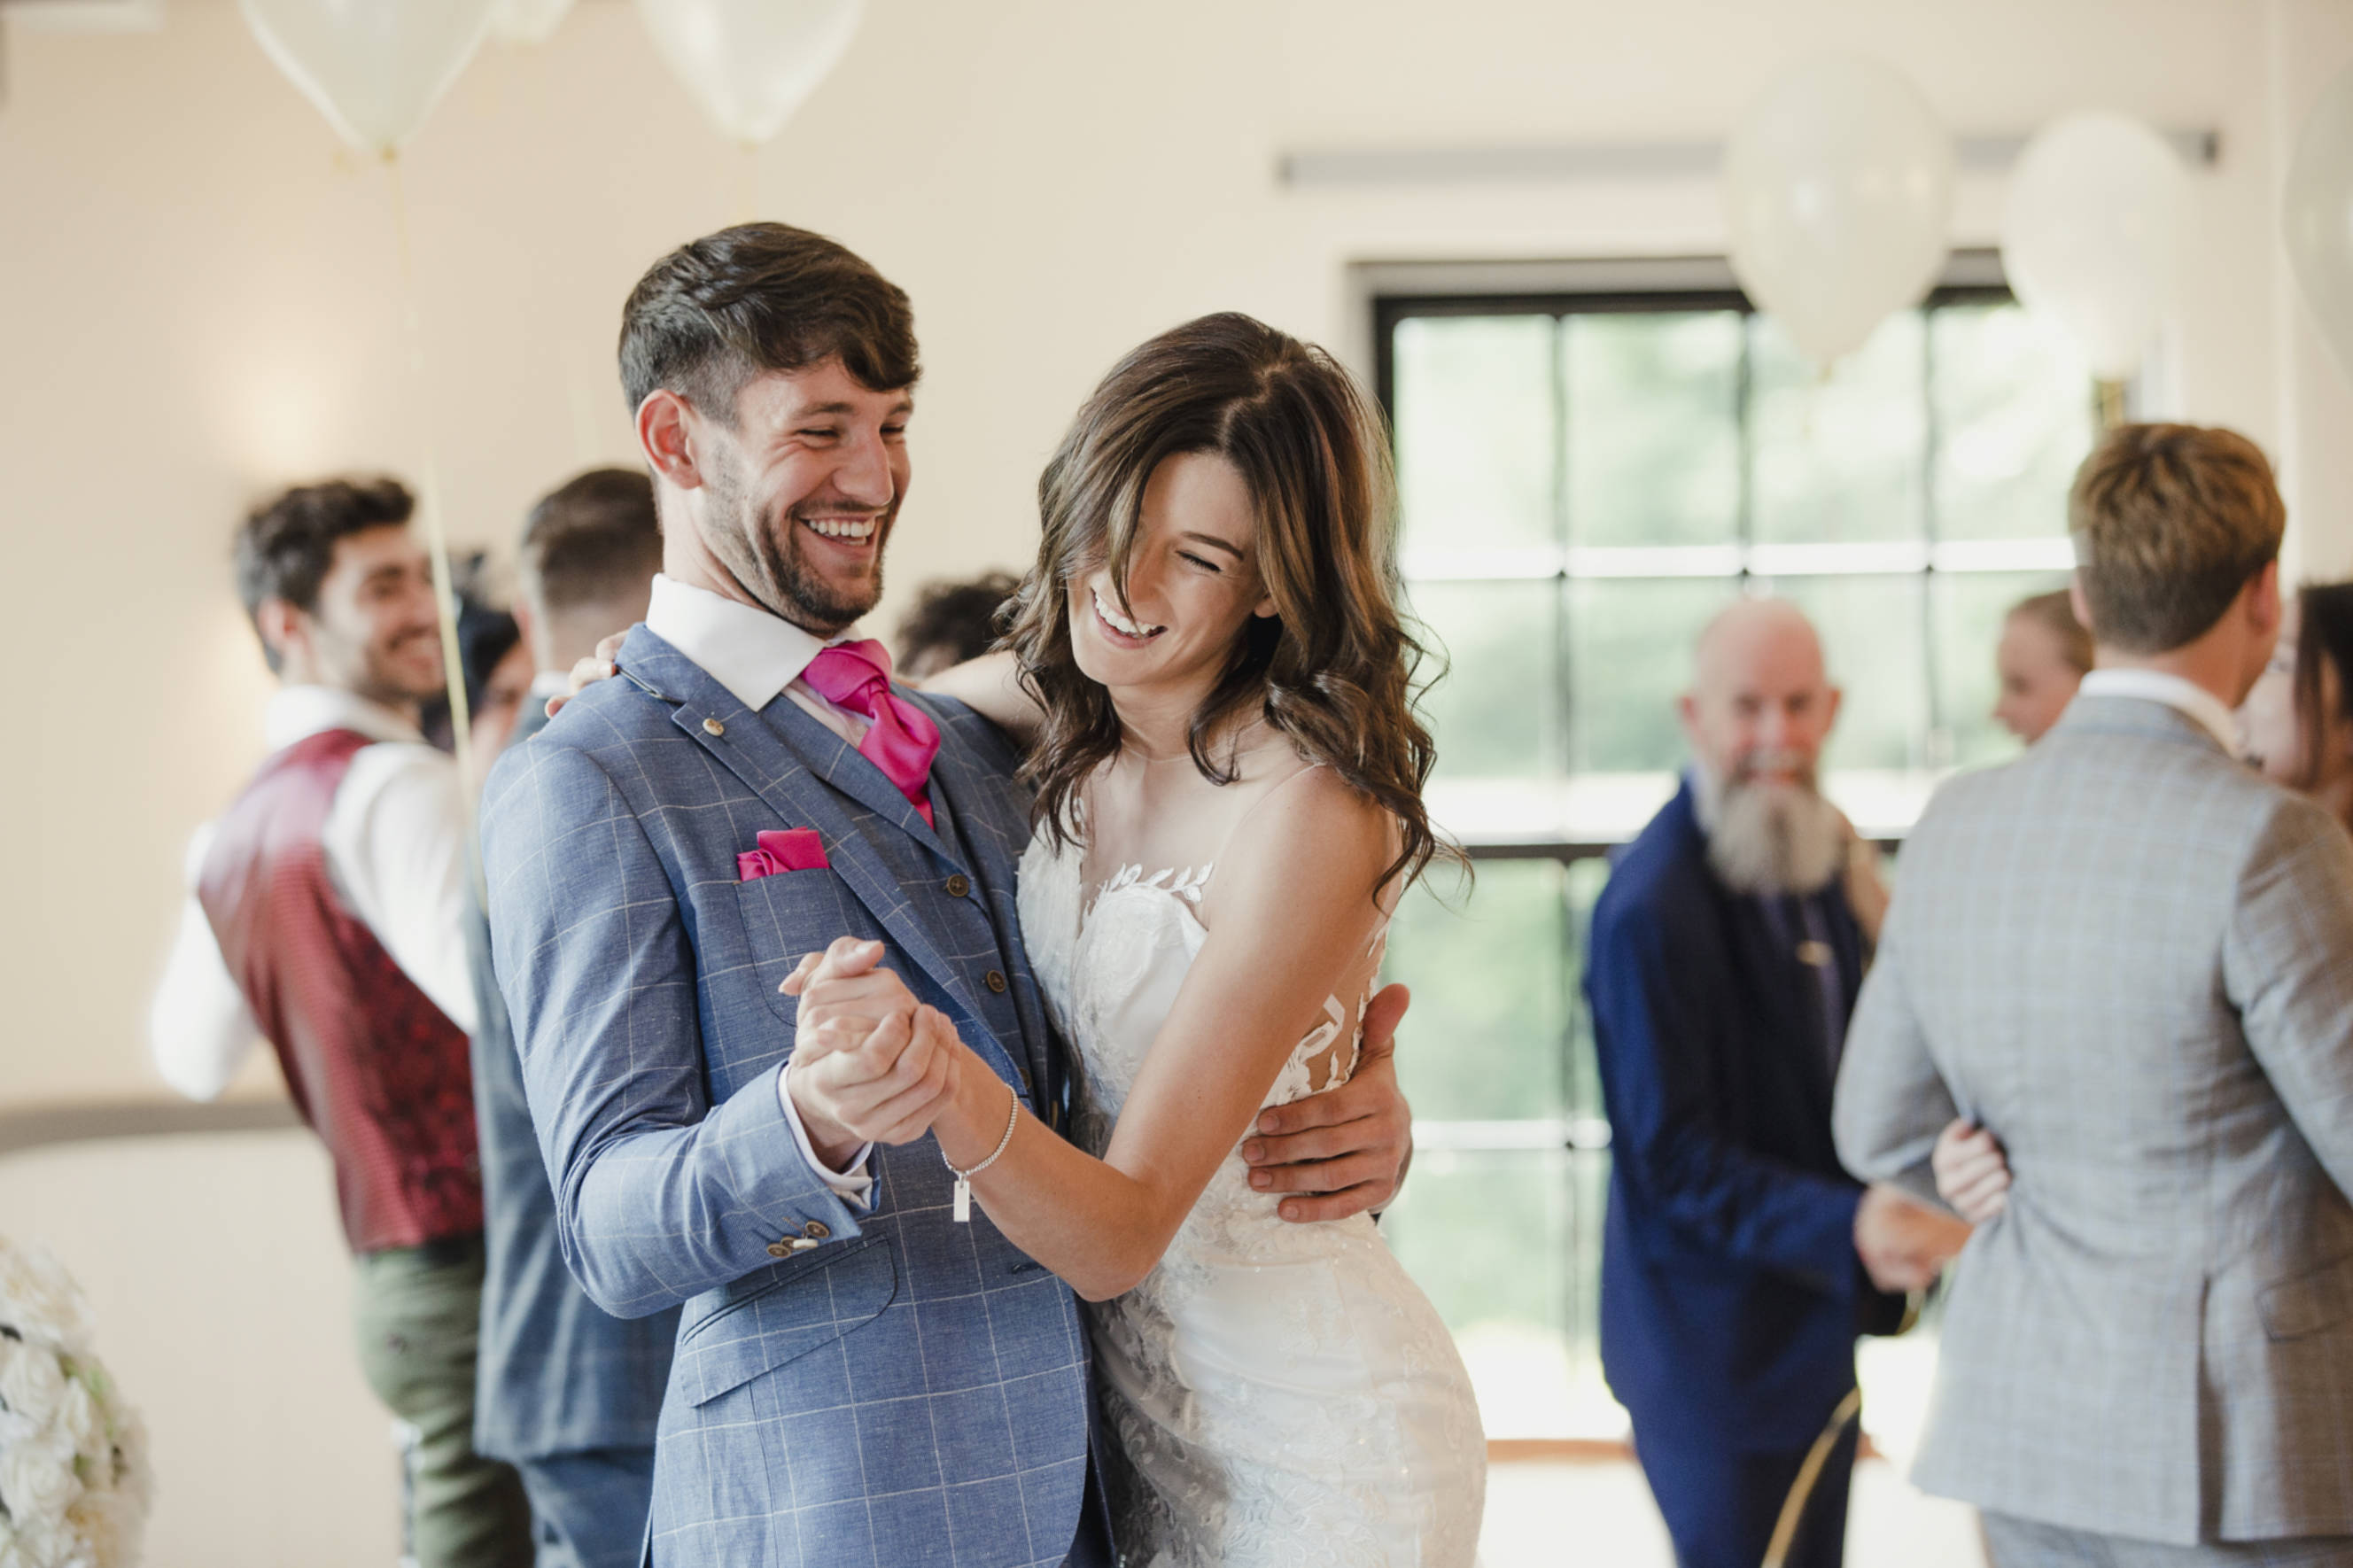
498,671
2043,655
1739,1259
327,914
568,1394
2298,726
952,622
2148,1358
2299,718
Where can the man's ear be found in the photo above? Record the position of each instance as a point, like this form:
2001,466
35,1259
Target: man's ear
666,436
1687,709
2264,608
1831,713
285,630
2079,605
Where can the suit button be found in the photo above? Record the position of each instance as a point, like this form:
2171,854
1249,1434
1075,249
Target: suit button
995,981
959,885
713,727
816,1230
780,1249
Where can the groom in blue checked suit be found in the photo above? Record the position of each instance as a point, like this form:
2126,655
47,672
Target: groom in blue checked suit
859,1378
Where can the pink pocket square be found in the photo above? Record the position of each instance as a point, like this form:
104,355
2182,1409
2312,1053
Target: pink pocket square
795,849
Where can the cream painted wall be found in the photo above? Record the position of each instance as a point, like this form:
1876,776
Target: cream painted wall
197,300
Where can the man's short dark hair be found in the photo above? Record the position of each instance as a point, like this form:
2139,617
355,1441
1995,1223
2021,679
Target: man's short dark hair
761,296
593,540
962,618
287,543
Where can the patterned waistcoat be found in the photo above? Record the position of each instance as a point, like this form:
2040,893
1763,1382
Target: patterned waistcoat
375,1068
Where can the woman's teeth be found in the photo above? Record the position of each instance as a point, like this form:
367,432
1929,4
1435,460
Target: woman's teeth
1121,623
841,528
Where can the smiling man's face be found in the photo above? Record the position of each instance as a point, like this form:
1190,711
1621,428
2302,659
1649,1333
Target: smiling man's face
800,494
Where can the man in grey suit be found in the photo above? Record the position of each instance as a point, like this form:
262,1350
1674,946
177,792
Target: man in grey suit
2130,960
564,1392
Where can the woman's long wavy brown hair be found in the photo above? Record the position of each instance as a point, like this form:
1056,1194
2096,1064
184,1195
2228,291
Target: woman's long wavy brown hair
1334,669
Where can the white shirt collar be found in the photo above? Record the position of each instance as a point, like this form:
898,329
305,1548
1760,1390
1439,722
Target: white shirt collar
299,712
752,654
2211,712
550,683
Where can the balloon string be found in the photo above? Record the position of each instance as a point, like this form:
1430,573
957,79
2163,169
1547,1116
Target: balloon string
428,499
747,189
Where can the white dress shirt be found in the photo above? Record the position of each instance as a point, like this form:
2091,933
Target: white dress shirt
2211,712
756,656
395,842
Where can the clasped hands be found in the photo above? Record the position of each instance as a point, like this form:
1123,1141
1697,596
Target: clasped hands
871,1064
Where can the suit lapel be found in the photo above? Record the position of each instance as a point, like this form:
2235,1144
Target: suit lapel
1785,993
772,753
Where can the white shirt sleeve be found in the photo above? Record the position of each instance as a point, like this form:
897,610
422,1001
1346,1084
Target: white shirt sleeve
198,1027
395,845
853,1185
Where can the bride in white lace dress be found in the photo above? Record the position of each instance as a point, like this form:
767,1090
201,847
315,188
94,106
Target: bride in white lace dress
1213,682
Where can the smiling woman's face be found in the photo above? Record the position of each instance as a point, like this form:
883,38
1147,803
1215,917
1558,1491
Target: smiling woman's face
1193,582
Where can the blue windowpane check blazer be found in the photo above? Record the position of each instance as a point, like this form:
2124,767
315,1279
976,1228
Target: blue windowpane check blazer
908,1390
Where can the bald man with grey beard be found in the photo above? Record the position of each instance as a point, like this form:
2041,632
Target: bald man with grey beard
1739,1259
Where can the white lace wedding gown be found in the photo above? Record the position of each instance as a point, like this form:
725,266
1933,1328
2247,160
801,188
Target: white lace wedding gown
1281,1394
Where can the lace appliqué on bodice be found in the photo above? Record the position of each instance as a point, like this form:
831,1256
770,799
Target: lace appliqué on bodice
1282,1393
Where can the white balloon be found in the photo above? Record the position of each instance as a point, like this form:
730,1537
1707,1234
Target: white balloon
2091,233
529,21
374,67
1837,191
2319,217
750,63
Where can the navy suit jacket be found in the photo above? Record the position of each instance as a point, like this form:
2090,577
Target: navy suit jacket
1731,1292
851,1387
556,1372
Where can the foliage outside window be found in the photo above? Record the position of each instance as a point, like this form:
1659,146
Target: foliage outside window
1584,478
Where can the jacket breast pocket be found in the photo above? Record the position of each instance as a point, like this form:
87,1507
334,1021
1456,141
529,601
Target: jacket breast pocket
776,1325
788,914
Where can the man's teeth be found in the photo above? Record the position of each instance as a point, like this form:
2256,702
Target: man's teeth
1121,623
841,528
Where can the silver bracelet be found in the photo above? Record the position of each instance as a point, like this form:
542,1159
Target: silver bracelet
963,1178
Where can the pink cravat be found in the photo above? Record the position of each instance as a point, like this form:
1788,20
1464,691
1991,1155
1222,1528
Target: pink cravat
901,738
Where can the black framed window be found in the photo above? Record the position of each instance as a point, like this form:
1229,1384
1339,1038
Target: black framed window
1587,470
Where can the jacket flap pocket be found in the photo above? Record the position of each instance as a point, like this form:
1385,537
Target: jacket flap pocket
2293,1308
806,1311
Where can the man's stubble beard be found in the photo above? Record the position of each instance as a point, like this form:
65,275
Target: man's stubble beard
1769,840
775,574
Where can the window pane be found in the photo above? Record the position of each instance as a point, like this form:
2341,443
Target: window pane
1491,1236
1839,456
1490,985
2014,417
1494,713
1585,882
1653,443
1474,419
1630,656
1969,608
1871,628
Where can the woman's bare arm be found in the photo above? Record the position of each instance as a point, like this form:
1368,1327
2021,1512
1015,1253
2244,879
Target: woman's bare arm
991,686
1296,916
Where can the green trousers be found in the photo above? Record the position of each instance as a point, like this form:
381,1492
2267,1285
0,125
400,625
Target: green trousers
417,1313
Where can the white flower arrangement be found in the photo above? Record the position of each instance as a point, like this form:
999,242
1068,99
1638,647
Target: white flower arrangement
74,1480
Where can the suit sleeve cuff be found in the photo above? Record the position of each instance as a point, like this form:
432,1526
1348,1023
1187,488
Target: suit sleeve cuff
852,1185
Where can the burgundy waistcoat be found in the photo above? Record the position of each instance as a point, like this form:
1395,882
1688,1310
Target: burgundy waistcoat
373,1066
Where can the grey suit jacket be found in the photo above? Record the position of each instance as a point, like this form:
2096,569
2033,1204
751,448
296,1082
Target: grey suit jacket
2132,959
